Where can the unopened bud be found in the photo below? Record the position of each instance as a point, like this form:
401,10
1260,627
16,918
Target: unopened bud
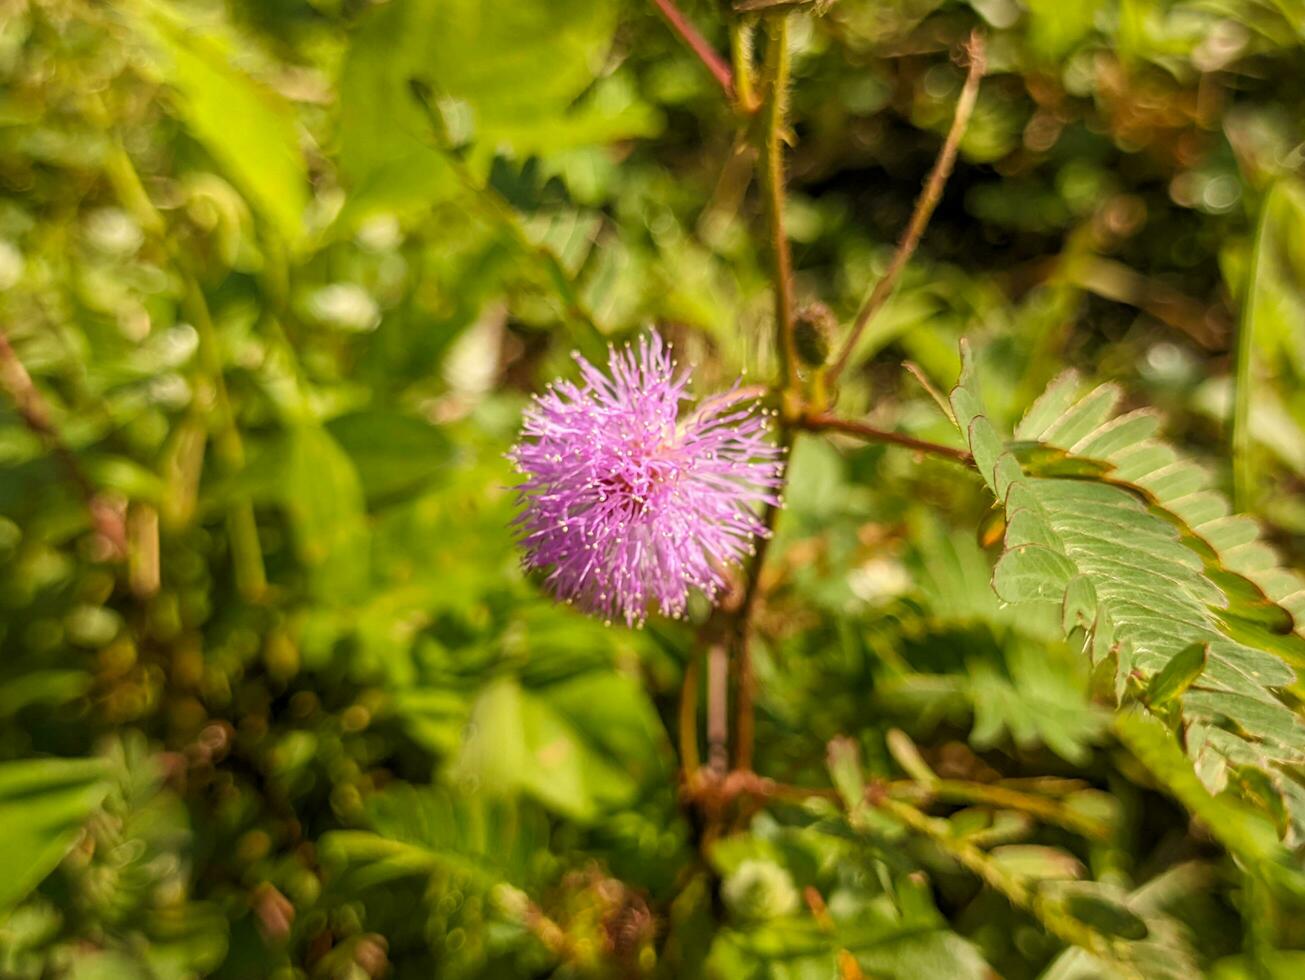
812,330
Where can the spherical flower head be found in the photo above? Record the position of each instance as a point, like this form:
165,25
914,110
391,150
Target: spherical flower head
630,502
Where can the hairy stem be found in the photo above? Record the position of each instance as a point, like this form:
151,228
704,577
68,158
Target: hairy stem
819,422
741,56
924,206
698,45
772,180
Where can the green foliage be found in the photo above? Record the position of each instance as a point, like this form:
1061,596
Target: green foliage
45,803
1138,551
279,276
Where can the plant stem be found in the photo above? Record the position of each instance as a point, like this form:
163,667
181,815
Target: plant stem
1014,889
772,180
961,791
717,708
771,164
745,678
741,56
819,422
698,45
924,207
689,761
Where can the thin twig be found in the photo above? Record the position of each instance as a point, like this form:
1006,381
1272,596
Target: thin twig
831,423
698,45
924,206
17,384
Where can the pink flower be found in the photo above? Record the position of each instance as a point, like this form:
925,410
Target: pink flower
629,502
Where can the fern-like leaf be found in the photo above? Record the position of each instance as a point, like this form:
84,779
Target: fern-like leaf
1147,559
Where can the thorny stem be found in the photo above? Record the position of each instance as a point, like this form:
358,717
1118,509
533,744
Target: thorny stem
31,407
924,206
819,422
698,45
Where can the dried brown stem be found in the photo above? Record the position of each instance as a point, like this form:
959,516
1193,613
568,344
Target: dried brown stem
17,383
924,206
719,68
830,423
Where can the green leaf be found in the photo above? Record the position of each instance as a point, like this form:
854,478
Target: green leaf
392,454
581,746
1142,553
1105,914
1245,832
427,831
1036,861
845,770
43,805
323,498
485,57
249,130
1177,676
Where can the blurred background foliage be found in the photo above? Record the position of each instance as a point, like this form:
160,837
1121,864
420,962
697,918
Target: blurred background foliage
275,698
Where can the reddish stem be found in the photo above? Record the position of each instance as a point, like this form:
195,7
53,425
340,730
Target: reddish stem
717,65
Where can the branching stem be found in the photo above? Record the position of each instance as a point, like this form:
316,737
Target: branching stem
820,422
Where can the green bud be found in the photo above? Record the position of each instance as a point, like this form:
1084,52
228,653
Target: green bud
812,330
